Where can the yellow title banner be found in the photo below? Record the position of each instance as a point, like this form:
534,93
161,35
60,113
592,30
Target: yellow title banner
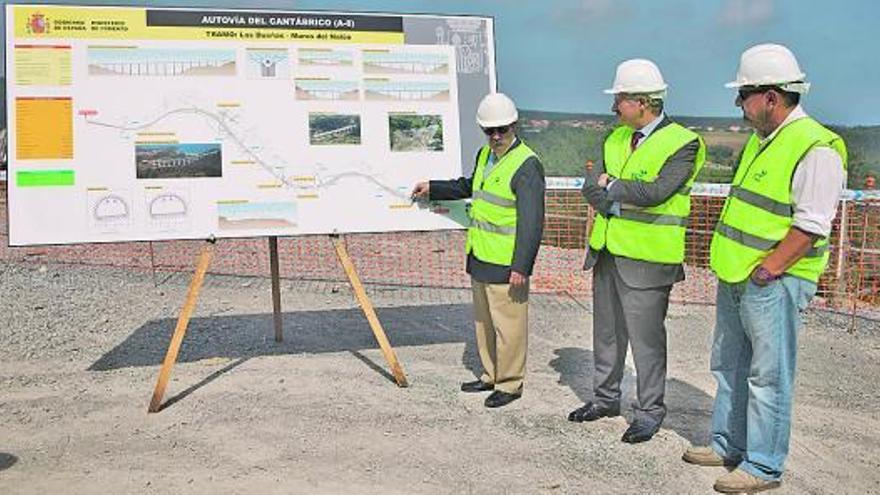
120,23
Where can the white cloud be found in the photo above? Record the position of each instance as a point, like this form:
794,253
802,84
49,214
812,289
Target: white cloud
746,12
591,12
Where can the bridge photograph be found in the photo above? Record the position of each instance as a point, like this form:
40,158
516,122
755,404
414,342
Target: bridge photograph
393,62
326,89
133,61
333,128
178,161
384,90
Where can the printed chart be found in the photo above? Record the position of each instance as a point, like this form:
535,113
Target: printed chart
183,124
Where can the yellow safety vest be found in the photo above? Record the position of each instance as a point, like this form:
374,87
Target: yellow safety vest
759,211
492,233
655,233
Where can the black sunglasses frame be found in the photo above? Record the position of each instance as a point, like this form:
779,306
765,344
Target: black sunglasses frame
502,129
745,92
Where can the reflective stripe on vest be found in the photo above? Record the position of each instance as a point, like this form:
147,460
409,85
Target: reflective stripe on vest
760,243
759,212
653,218
657,233
495,229
492,233
495,200
763,202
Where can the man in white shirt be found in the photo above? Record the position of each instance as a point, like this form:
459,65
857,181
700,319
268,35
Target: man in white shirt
769,249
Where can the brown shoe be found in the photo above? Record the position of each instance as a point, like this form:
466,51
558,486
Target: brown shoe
739,481
706,456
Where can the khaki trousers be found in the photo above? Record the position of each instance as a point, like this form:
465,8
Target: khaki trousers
501,318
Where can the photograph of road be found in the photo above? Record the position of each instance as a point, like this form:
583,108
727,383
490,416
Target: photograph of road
411,132
334,129
257,215
178,161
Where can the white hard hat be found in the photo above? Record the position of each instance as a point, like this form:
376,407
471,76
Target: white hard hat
496,110
770,65
638,76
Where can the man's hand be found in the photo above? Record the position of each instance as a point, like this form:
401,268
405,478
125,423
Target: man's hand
517,279
602,181
762,277
421,190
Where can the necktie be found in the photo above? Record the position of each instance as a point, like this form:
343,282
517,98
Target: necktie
635,140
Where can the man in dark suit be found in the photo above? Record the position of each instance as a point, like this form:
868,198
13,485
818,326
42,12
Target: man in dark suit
641,194
507,222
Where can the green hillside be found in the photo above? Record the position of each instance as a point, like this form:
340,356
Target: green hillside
863,145
566,142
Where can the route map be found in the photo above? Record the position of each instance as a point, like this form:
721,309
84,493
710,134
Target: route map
188,124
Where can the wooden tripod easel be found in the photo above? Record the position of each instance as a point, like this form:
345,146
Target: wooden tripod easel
195,288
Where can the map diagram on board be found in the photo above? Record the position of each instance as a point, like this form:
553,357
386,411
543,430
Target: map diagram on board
166,139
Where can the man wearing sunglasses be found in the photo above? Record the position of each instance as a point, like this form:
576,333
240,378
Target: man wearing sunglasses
507,222
768,250
641,193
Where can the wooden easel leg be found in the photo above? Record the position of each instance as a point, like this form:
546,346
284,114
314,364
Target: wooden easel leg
189,305
276,288
368,310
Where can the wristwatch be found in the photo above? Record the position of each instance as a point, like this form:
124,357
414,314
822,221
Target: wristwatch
762,276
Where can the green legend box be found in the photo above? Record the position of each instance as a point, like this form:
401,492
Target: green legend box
43,178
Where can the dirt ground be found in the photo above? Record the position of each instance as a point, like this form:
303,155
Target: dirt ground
319,413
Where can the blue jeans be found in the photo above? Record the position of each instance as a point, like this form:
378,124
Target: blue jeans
753,360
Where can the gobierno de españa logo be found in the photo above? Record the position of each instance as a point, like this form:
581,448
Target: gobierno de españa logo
38,24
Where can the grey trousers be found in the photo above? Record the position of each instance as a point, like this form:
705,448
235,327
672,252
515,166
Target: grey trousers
621,315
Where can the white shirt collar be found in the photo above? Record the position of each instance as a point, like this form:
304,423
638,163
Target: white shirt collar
796,114
649,128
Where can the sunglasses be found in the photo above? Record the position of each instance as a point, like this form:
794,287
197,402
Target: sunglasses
618,98
744,93
490,131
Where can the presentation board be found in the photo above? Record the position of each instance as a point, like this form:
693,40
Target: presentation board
155,123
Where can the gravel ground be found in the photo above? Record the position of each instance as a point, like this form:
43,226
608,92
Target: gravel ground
319,413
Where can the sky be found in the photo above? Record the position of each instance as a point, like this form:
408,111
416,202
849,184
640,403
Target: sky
558,55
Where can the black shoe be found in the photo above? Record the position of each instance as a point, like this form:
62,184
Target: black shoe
640,431
592,412
477,386
499,398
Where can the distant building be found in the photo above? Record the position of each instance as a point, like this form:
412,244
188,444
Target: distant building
539,123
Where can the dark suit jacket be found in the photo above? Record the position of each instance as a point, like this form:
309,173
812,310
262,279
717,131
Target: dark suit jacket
672,177
528,185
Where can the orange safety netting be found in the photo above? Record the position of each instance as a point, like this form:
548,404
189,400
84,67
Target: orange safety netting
851,283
